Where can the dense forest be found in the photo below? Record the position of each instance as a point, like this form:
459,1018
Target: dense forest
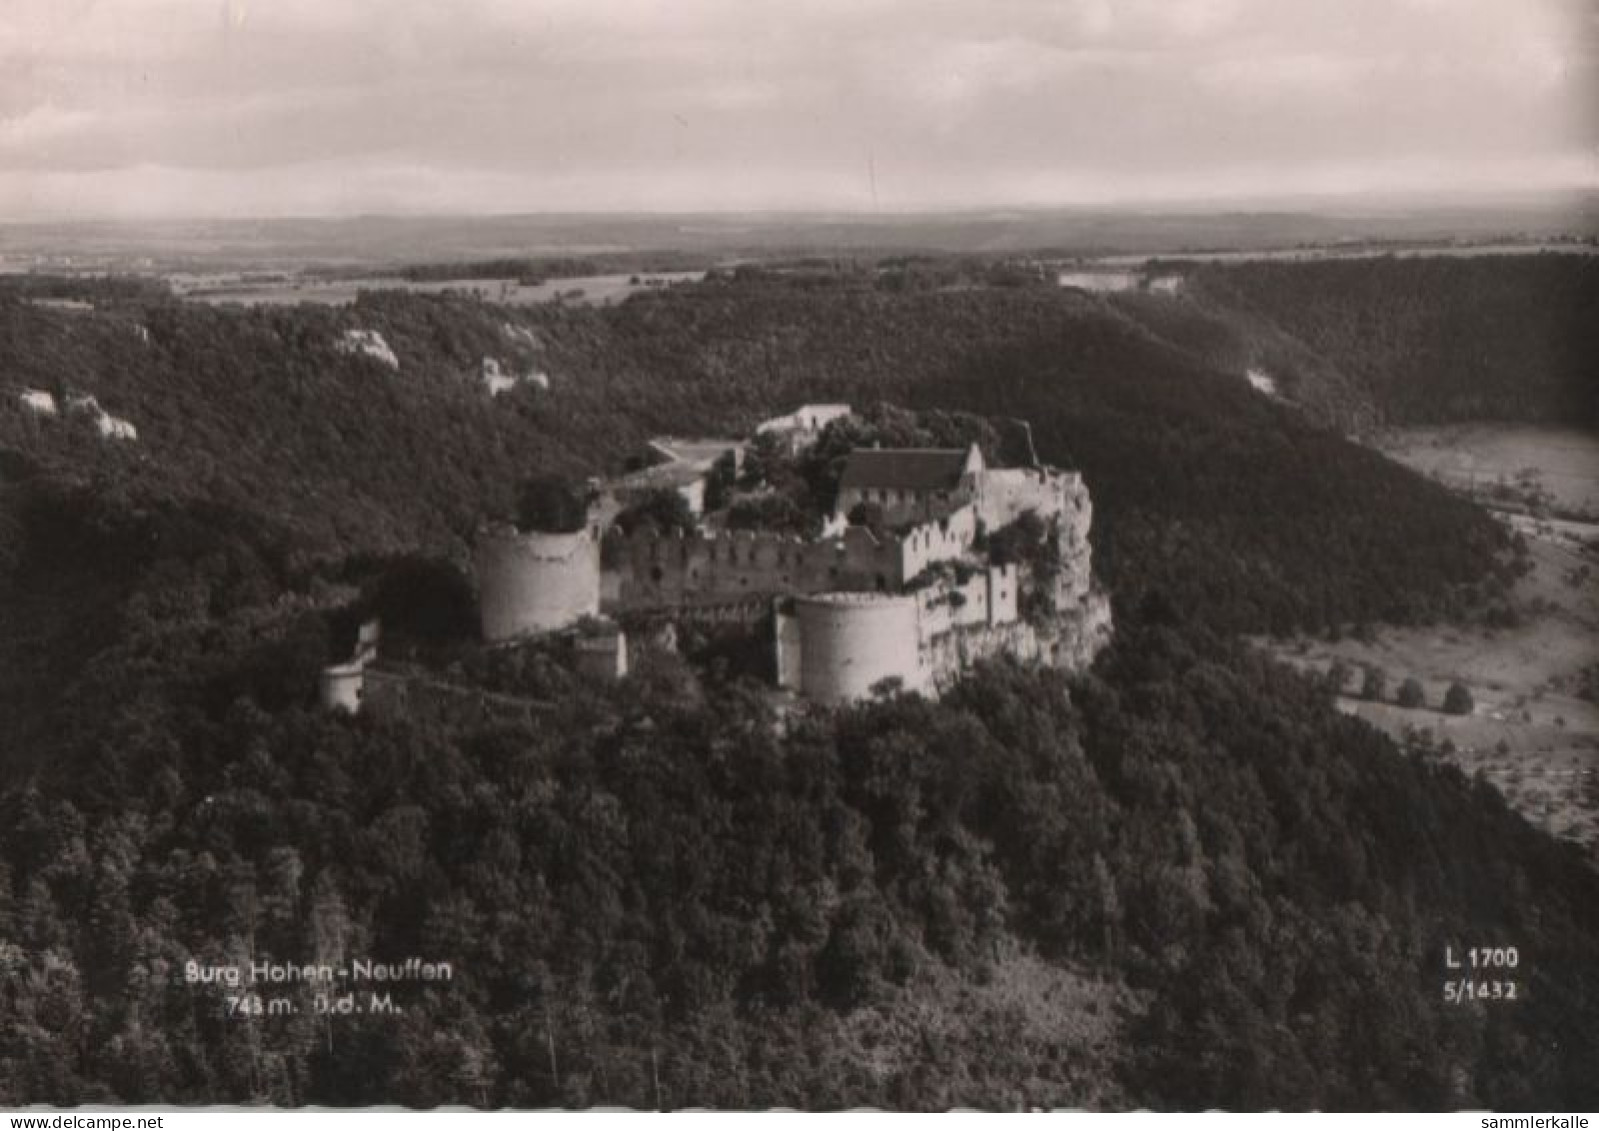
1181,880
259,410
1401,340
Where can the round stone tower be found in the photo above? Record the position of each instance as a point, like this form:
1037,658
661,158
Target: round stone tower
851,641
341,686
534,582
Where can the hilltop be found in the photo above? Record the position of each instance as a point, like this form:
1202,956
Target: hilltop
259,409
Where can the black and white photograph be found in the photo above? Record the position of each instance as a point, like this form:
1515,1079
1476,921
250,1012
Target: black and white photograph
660,555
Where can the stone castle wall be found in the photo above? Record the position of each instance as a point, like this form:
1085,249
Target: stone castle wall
747,610
949,654
852,622
1005,495
1070,642
647,570
938,540
835,647
988,597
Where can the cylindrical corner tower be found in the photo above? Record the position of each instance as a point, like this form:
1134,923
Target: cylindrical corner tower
853,641
535,582
341,686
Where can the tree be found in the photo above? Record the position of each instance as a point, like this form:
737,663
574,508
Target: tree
869,515
887,687
550,504
767,463
772,512
1374,684
719,481
853,957
663,511
1023,540
1458,700
1411,694
429,599
1338,674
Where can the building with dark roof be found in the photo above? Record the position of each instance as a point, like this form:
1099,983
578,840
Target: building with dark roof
909,484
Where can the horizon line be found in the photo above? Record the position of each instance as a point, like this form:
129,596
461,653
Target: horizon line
1284,204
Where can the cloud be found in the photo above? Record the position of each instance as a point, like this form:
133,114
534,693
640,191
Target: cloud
306,105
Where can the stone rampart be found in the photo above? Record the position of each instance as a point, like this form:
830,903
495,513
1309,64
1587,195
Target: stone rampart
645,571
648,570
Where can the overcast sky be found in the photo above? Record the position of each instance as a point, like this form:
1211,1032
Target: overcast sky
298,107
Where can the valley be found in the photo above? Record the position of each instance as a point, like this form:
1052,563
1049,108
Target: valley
1532,668
1540,471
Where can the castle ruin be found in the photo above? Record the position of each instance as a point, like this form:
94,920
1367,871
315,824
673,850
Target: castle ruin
906,601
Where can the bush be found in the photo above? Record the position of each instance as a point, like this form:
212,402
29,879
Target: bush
1374,685
770,512
719,483
869,515
549,504
1411,694
1022,540
663,511
1458,700
426,599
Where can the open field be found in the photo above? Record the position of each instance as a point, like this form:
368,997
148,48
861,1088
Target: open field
1356,249
1513,463
1128,237
1529,733
596,289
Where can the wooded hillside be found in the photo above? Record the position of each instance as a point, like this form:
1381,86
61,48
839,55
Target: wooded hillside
1182,880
